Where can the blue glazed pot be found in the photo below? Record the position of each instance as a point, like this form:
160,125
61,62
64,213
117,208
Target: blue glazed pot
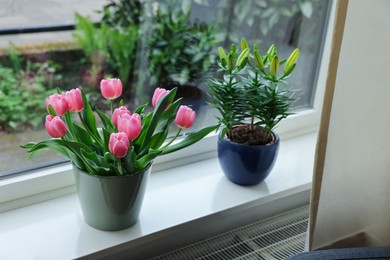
247,164
111,203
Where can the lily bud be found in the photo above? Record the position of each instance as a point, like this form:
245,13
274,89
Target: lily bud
233,48
291,61
258,60
222,55
242,59
230,61
244,44
274,66
271,51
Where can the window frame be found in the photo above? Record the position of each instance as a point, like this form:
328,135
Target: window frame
56,181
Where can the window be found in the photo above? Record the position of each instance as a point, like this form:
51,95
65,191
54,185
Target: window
145,43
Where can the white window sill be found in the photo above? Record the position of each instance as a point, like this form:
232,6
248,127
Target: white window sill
55,229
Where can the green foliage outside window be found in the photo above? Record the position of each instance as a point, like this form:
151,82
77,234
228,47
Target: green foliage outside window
179,51
109,49
23,86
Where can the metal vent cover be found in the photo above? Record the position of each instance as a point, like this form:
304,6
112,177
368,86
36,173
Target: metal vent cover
278,237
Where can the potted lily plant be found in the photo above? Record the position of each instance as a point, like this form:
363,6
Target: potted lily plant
251,101
112,162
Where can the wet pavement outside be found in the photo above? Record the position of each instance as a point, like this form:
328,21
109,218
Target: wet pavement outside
34,13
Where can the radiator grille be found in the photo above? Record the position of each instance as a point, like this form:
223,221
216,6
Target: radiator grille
277,237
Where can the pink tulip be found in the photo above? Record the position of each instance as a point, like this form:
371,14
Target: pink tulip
185,117
118,144
58,103
117,113
130,124
75,100
111,88
158,94
55,127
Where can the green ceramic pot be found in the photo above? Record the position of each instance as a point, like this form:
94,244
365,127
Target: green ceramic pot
111,203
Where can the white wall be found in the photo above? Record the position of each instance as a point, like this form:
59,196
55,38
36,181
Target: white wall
355,191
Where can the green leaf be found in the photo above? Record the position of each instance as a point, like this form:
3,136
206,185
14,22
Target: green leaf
130,161
105,120
68,118
95,162
56,145
145,124
140,110
28,145
75,146
160,107
146,159
190,139
82,135
158,139
170,114
106,138
51,110
53,144
88,117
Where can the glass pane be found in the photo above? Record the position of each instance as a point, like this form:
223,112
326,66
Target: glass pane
145,43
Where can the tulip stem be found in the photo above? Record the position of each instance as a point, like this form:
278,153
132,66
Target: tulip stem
173,139
112,106
120,168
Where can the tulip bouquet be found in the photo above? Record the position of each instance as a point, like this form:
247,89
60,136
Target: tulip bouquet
127,142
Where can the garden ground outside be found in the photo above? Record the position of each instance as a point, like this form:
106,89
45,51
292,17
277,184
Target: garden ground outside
27,13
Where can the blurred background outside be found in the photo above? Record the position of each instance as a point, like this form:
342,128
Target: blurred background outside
45,44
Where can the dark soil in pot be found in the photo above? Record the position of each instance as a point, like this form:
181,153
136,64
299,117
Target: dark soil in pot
244,134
